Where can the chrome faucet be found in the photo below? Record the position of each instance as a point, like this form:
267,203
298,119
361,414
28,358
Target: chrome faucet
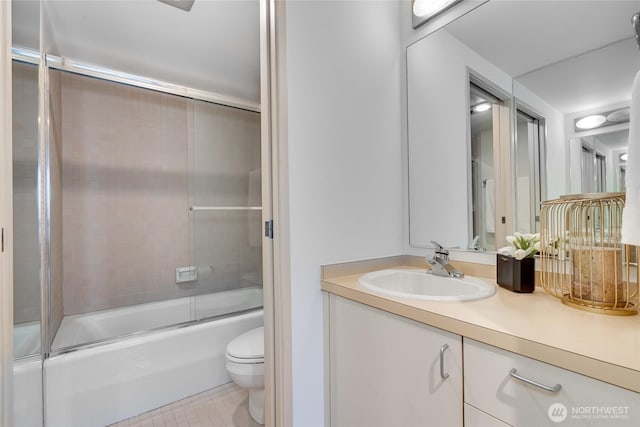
440,263
474,245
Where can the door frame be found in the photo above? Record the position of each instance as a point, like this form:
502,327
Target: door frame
275,190
6,220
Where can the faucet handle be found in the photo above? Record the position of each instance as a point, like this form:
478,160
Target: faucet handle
440,250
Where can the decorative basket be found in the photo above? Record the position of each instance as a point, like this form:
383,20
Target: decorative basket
581,258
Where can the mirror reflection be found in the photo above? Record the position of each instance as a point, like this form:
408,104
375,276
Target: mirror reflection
485,142
581,65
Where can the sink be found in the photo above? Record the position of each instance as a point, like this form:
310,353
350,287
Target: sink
417,284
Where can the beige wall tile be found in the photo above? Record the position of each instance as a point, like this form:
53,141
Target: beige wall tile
26,265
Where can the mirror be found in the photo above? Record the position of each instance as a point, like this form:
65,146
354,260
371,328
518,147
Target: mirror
551,64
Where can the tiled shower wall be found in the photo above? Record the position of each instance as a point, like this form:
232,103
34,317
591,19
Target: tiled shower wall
127,154
26,266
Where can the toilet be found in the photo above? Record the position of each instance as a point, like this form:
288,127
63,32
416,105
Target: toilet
245,365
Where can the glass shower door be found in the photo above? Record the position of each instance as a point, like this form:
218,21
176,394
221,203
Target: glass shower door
26,262
27,336
226,209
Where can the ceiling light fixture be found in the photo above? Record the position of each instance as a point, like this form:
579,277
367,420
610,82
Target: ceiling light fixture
591,122
423,10
619,116
185,5
623,157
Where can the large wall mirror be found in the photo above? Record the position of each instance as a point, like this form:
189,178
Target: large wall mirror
495,107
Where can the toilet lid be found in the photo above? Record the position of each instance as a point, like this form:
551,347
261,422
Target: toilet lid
249,345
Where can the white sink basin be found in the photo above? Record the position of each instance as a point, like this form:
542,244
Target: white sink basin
417,284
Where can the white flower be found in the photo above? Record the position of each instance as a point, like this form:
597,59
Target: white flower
520,253
507,250
524,245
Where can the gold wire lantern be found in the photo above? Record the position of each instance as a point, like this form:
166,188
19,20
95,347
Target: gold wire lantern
582,260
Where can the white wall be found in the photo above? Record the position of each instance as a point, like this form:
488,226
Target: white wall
344,148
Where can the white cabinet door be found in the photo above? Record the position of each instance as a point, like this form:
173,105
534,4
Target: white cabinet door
580,401
476,418
385,370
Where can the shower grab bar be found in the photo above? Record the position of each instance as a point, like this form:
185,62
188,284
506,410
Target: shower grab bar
225,208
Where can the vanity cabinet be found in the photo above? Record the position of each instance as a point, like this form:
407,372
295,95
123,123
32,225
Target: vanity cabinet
476,418
386,370
495,397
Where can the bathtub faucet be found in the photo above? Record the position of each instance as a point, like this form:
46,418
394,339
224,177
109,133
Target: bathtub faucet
440,263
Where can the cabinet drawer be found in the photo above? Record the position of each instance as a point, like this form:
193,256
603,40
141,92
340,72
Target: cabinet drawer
581,401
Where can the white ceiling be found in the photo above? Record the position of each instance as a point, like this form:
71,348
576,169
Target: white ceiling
597,79
522,36
614,140
214,47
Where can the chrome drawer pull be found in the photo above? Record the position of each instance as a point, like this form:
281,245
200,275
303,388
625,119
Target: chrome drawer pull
556,388
442,374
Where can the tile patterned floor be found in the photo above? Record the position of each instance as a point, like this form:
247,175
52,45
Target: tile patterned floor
224,406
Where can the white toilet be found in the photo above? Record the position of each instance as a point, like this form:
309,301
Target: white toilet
245,365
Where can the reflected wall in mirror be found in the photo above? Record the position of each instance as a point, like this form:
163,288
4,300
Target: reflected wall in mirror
583,62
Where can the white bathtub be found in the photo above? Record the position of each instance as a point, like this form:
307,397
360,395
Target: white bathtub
107,383
104,324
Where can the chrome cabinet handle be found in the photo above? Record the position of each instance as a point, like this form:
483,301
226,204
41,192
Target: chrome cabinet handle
443,375
556,388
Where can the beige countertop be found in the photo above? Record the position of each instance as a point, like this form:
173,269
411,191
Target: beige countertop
535,325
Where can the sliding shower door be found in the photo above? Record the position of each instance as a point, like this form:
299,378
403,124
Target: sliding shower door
226,209
26,261
27,139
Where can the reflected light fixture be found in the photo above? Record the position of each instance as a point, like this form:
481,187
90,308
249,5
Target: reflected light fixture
591,122
623,157
185,5
481,107
423,10
619,116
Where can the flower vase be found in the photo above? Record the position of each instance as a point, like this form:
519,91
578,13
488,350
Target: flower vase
517,275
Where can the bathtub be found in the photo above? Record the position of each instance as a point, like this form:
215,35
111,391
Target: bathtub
117,322
100,385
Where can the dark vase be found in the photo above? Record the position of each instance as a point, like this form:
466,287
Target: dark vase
517,275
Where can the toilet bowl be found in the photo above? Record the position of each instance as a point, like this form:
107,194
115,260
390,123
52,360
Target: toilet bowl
245,365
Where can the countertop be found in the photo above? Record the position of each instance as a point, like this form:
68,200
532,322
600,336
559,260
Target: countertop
535,325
